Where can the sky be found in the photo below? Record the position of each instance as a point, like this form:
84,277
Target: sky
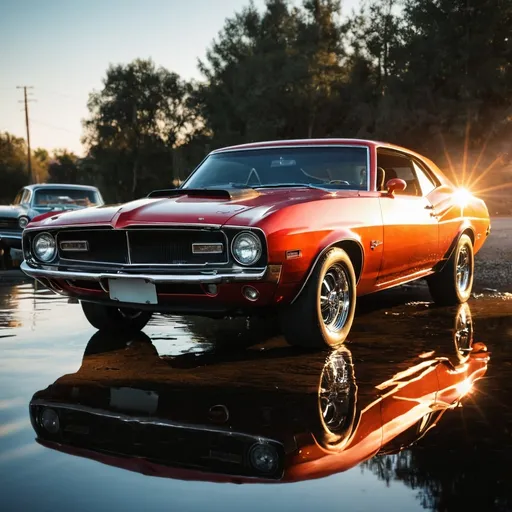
63,48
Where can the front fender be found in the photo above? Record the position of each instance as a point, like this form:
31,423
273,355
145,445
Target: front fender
349,241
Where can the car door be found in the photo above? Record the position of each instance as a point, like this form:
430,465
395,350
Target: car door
411,231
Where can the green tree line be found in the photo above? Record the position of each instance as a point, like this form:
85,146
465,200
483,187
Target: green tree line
432,75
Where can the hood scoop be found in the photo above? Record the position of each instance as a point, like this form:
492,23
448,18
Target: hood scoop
232,194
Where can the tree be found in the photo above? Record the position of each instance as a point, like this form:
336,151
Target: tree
275,74
13,166
63,168
40,164
135,121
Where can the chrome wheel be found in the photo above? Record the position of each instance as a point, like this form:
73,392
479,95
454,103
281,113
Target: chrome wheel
336,392
463,335
463,269
335,298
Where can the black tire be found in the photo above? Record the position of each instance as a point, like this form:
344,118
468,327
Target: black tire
452,286
303,323
112,319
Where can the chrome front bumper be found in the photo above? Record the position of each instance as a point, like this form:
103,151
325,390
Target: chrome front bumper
11,237
212,277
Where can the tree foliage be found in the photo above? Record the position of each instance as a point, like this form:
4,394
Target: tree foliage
13,166
135,121
433,75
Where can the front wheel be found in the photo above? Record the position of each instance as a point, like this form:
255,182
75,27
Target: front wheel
453,284
113,319
323,313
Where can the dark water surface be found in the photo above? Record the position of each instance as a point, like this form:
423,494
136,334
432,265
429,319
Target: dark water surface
194,415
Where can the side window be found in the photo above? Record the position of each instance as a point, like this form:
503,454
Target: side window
17,199
391,164
426,183
25,198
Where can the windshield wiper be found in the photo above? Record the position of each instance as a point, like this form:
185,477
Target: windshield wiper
297,185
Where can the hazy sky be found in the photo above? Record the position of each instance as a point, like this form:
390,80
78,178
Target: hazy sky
63,48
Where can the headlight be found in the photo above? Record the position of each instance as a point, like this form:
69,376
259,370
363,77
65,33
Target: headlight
246,248
49,420
44,247
22,222
264,458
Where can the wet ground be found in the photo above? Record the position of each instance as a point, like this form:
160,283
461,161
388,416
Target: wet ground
413,413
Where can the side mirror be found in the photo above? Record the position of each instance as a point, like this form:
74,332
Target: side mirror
394,185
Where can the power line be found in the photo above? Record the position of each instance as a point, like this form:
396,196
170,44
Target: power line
26,101
36,121
59,94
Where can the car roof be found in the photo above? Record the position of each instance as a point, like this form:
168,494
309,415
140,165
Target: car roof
37,186
304,142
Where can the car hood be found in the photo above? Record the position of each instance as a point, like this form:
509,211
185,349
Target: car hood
11,211
191,207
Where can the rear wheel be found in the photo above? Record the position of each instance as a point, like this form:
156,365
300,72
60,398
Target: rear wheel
112,319
323,313
453,284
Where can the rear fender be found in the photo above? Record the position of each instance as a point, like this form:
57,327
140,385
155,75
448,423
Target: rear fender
465,229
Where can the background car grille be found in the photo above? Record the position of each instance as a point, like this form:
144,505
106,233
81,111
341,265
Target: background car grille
10,224
147,246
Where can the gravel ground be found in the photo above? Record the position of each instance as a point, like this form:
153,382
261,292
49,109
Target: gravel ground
493,264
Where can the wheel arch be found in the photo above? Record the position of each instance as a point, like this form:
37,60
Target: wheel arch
465,229
351,246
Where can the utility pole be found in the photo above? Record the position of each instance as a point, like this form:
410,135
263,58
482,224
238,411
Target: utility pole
29,159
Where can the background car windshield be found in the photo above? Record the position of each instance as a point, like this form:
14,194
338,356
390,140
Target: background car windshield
333,167
62,196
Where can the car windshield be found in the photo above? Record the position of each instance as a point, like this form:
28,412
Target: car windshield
65,197
337,167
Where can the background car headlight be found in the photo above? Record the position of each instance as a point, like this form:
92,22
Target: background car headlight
264,458
44,247
246,248
22,222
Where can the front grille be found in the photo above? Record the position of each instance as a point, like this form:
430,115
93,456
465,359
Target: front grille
174,247
105,246
146,246
221,452
10,224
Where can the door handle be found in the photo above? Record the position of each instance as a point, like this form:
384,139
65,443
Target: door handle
429,207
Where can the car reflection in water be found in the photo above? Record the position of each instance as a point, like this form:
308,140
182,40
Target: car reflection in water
263,415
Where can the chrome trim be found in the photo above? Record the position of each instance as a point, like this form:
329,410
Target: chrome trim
213,277
290,146
83,243
145,420
233,252
16,236
217,245
128,248
79,227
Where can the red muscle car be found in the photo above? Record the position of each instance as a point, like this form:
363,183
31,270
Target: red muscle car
196,418
301,227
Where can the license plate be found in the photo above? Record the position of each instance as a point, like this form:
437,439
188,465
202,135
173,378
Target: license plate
130,399
137,291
